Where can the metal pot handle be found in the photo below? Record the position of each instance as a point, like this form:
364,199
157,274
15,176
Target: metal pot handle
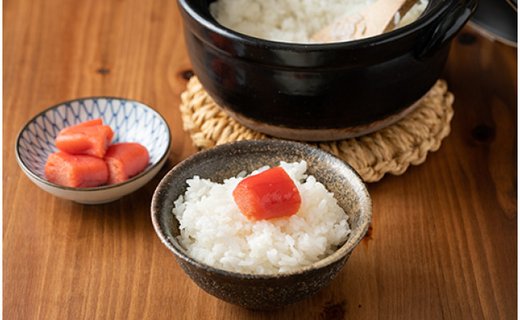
451,21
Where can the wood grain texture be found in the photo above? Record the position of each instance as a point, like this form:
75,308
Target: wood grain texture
443,243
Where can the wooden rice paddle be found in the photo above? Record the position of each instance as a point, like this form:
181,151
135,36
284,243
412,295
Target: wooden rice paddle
408,4
371,21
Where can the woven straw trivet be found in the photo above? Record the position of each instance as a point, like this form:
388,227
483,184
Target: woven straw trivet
389,150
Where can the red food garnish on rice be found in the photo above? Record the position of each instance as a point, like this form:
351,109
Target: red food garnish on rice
267,195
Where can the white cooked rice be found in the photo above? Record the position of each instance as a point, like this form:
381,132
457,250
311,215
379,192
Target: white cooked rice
215,232
292,20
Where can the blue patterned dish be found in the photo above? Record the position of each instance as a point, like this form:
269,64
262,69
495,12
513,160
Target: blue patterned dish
131,121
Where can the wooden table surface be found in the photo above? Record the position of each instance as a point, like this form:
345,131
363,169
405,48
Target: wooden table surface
443,243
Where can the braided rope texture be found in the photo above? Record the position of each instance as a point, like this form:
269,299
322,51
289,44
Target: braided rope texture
390,150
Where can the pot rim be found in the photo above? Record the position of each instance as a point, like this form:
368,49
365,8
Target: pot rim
433,11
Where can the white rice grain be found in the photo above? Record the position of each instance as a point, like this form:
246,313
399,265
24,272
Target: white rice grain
215,232
292,20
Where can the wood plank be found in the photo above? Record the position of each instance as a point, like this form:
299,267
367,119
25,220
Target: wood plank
443,243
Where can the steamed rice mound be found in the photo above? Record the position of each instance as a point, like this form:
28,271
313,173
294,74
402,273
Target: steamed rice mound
293,20
215,232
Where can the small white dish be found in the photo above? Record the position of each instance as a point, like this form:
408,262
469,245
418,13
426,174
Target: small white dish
130,120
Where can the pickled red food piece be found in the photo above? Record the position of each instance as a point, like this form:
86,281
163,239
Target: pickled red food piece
76,171
125,160
90,138
267,195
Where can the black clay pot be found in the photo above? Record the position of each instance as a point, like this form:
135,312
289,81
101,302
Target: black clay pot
321,91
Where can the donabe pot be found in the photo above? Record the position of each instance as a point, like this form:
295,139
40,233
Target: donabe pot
321,91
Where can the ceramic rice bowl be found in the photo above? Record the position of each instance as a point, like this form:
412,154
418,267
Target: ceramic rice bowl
252,290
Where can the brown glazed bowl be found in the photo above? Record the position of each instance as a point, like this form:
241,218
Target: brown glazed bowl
314,92
251,290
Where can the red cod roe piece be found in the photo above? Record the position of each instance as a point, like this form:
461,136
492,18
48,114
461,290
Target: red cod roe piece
267,195
89,137
125,160
77,171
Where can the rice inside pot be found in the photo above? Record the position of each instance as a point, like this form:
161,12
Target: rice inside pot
292,20
215,232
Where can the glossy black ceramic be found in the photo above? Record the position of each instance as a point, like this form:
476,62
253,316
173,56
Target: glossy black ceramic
321,91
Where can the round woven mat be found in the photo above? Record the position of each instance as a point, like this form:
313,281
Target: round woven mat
389,150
